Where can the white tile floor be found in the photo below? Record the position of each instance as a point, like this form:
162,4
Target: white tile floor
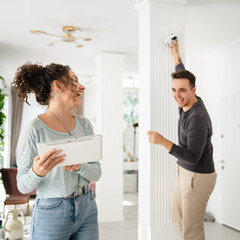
215,231
127,230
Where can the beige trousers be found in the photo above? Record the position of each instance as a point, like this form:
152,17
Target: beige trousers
190,196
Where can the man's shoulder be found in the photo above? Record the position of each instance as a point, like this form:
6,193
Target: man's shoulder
200,113
198,108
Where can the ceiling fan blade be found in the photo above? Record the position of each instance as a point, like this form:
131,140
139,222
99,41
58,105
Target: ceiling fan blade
54,35
85,39
37,31
78,44
52,43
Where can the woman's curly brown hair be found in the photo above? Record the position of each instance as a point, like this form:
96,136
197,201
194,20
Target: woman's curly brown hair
35,78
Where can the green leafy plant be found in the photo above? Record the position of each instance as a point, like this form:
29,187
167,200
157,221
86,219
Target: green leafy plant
130,115
2,119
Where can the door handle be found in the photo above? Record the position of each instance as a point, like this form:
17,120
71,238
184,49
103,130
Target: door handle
222,161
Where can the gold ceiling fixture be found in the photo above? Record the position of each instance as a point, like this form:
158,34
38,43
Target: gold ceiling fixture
66,38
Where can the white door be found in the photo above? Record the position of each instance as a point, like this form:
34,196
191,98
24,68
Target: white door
230,130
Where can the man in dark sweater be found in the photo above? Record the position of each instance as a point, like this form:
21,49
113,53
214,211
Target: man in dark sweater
196,174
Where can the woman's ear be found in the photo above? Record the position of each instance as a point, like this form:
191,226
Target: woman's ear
57,86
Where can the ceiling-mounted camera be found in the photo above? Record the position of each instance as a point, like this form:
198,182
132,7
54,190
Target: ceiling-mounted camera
171,38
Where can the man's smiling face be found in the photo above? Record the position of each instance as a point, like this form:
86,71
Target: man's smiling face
183,93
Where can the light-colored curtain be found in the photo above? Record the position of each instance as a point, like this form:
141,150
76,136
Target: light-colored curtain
16,120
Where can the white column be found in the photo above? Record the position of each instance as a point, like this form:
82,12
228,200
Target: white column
158,112
110,125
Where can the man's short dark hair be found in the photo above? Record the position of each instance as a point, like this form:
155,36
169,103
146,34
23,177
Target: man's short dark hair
185,74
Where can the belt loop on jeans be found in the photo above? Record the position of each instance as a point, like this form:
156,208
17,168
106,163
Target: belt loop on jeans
85,189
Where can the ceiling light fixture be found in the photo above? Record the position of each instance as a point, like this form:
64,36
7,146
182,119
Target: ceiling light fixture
66,38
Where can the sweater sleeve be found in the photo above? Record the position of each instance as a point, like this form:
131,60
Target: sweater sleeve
179,67
27,180
196,140
90,171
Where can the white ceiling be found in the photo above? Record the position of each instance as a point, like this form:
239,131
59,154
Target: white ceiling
112,25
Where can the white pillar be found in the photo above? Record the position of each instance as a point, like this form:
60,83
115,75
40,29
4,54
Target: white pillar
158,112
110,125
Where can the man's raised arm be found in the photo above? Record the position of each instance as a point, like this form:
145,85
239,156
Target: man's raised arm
176,56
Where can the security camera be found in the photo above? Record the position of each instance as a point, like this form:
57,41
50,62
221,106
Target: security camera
171,38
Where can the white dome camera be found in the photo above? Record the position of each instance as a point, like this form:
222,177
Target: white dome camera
171,38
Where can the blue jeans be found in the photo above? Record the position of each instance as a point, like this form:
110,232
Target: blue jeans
65,218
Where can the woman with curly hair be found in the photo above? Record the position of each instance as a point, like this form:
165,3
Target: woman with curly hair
65,207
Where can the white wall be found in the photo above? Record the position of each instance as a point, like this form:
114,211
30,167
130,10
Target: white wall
212,54
220,78
32,111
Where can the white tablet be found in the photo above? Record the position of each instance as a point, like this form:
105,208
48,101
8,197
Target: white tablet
77,150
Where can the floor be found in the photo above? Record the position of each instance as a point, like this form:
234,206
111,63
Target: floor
215,231
127,230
